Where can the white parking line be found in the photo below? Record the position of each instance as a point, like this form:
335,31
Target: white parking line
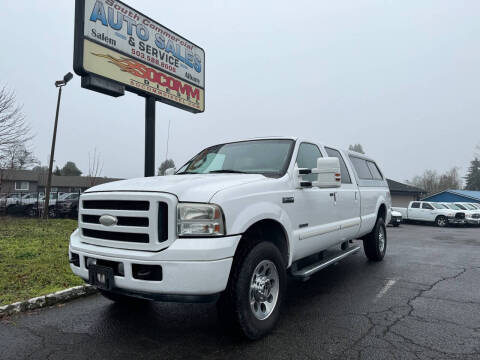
384,290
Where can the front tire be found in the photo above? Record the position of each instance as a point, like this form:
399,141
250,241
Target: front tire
375,243
251,303
441,221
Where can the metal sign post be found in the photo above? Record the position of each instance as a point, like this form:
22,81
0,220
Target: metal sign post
149,136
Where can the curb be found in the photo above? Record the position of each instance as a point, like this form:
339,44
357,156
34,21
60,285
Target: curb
47,300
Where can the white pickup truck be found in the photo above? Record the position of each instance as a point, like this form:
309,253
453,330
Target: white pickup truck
230,225
433,212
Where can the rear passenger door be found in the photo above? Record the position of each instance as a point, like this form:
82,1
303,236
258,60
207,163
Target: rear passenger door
414,211
347,200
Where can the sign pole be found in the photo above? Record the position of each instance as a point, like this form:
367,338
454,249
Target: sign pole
149,136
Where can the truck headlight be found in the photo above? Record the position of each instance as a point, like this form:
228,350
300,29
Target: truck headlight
195,219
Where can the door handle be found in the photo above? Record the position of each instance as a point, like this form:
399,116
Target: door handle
334,195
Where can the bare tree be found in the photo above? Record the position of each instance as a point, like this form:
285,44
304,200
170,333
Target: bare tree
17,156
95,167
432,182
14,130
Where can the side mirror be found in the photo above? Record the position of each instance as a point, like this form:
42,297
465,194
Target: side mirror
170,171
328,170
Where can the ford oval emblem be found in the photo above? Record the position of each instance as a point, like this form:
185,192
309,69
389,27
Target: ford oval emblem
108,220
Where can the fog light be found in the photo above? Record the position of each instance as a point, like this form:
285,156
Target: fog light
121,269
90,261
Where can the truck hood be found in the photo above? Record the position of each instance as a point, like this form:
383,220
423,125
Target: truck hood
195,188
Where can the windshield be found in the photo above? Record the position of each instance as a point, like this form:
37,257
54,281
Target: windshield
469,207
267,157
452,206
461,206
439,206
475,206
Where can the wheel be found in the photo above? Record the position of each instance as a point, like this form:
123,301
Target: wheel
375,243
441,221
251,303
122,299
51,212
30,211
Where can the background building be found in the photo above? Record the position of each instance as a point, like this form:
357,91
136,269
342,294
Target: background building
402,194
28,181
455,196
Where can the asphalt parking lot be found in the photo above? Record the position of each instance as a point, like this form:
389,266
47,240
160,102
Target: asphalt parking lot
421,302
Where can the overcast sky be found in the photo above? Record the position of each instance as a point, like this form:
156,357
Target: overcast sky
400,77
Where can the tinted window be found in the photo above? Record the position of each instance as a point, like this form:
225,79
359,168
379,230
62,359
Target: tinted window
415,205
377,175
307,158
461,206
361,167
427,206
343,168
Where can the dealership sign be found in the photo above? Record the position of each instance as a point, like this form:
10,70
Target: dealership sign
117,43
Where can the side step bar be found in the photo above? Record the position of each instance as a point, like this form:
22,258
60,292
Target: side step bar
306,272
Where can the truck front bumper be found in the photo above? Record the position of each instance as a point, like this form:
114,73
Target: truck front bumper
457,221
473,221
191,267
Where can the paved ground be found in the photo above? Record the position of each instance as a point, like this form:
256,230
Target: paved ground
421,302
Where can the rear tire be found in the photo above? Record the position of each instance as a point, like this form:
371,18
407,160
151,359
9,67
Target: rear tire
441,221
250,306
375,243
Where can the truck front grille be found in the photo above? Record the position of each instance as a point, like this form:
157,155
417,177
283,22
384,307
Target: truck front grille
141,221
460,215
122,220
116,205
115,235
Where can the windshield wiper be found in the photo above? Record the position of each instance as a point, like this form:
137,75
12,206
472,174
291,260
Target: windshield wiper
227,171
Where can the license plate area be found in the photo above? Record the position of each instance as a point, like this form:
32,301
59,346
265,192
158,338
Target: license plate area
100,276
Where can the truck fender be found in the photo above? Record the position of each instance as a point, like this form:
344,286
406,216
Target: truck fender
263,211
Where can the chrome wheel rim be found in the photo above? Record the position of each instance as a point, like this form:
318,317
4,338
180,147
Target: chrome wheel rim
381,239
264,289
441,221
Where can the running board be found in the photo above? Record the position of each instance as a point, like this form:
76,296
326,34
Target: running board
306,272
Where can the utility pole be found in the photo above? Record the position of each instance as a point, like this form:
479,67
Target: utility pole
149,136
59,84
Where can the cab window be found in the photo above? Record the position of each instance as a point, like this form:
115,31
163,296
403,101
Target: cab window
415,205
361,167
377,175
307,158
343,168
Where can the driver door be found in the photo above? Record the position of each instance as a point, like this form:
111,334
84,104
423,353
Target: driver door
313,212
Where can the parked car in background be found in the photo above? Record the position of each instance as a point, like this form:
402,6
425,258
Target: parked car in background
67,205
472,214
396,219
432,212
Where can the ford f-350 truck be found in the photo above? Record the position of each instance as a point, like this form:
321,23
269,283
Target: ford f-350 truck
230,225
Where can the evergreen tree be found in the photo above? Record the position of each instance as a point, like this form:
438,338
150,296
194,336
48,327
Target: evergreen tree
473,175
356,147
